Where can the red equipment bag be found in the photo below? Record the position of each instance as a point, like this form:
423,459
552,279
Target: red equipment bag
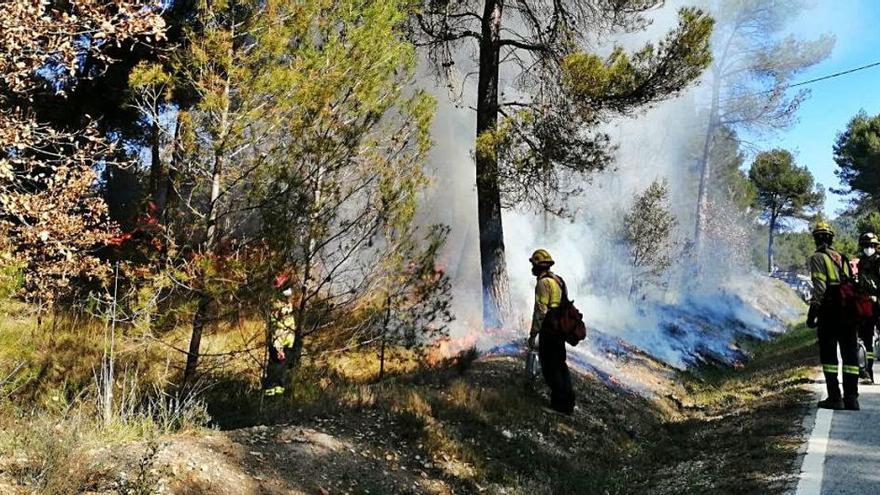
567,320
865,307
849,299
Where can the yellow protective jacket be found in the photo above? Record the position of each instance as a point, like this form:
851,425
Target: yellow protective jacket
283,324
825,270
548,295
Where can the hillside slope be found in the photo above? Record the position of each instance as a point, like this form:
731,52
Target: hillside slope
716,431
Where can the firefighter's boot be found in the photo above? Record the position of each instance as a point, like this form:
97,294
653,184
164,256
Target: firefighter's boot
851,387
851,403
832,385
831,403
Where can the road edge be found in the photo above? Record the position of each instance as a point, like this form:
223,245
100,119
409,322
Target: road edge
808,425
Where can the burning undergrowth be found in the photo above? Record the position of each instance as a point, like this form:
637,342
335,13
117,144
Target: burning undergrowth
639,346
708,326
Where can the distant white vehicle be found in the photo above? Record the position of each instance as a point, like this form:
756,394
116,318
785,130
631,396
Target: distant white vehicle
801,284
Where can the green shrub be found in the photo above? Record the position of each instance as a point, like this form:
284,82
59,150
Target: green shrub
11,278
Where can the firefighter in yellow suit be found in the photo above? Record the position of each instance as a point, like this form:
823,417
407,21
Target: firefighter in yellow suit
551,346
282,335
836,328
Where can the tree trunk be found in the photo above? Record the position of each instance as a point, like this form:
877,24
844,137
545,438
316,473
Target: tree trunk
770,243
164,181
172,197
201,317
718,68
216,183
158,171
200,320
384,338
297,351
382,358
492,262
705,167
311,253
633,282
212,237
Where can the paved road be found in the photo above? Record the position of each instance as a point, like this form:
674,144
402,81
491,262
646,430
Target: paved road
843,451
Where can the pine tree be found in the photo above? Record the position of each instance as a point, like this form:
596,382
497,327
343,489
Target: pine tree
857,154
648,230
784,191
748,80
303,153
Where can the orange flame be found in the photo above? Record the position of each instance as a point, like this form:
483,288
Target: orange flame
447,347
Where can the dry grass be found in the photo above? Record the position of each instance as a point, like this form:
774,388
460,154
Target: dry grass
57,454
50,424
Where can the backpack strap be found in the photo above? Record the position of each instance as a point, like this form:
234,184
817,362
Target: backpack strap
563,300
564,290
847,272
844,267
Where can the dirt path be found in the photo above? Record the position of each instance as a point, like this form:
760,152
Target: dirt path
329,457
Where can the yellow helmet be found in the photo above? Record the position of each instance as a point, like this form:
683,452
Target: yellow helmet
541,257
822,227
868,239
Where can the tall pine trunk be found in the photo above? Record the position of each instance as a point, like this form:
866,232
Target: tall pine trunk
200,321
305,289
158,170
770,239
168,199
161,183
705,167
202,316
492,263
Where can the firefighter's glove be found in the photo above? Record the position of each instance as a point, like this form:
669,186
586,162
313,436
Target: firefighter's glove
531,342
813,316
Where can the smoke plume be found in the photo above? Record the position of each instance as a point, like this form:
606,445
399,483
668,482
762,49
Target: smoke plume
708,302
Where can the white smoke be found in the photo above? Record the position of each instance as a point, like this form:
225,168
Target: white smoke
709,303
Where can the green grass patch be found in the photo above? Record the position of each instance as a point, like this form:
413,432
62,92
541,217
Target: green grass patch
777,366
742,427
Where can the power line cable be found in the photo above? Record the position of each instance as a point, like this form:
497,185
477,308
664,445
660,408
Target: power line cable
809,81
832,76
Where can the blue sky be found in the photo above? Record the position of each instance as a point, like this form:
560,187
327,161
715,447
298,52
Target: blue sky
856,25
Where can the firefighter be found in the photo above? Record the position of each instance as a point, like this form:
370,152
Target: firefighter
281,337
869,286
836,327
549,292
